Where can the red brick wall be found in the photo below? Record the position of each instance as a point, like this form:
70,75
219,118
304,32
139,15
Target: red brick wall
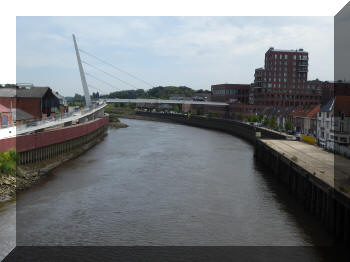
29,105
6,101
33,141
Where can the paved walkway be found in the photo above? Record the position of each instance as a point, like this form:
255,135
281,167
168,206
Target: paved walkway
332,169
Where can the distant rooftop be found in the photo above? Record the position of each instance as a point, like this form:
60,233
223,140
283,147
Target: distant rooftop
23,92
300,50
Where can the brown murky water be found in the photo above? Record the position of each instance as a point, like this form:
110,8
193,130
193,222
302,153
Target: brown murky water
164,184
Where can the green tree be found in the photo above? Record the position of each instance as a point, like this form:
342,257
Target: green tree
176,108
8,162
272,123
288,125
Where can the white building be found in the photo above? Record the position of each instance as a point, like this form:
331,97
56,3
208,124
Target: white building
324,124
333,123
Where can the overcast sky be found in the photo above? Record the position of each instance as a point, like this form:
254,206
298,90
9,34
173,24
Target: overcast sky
192,51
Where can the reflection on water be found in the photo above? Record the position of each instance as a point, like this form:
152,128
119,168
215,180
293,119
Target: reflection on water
163,184
7,228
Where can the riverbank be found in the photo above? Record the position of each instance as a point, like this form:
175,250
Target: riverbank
29,175
7,187
133,115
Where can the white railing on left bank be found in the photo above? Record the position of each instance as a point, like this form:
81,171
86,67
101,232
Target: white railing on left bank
50,121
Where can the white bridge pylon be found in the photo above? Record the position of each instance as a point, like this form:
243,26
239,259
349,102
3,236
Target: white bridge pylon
82,74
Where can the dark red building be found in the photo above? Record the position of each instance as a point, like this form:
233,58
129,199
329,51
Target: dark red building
341,89
37,101
229,92
283,81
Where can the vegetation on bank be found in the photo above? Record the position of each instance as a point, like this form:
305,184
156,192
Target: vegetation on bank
113,119
8,162
161,92
115,122
270,122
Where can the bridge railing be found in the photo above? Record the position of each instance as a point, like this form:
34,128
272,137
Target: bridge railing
60,117
49,121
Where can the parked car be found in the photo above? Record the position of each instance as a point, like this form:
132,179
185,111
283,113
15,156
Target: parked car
298,136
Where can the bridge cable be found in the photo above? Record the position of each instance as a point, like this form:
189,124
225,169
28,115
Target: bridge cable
121,70
95,88
109,74
98,79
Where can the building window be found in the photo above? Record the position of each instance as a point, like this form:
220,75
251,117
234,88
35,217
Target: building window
286,56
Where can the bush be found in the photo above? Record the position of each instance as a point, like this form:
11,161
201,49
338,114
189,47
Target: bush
295,159
8,161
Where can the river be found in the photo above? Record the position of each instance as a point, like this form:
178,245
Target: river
162,184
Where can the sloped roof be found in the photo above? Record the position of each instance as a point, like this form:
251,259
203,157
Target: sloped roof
313,112
19,114
4,108
328,107
8,92
35,92
306,111
59,96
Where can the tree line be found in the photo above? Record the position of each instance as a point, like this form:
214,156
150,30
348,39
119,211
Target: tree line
161,92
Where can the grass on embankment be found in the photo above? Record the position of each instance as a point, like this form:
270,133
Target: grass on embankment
115,122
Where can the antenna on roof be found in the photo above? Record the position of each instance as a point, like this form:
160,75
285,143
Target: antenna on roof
82,74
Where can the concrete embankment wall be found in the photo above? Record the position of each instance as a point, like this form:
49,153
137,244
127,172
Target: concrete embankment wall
237,128
49,144
327,205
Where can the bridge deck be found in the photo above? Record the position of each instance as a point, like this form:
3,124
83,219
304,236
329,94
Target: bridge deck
331,169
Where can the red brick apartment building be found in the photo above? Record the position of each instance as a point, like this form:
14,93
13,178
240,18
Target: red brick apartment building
283,82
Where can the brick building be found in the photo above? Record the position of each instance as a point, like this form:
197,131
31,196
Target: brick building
333,122
283,81
6,119
304,119
230,92
341,88
37,101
